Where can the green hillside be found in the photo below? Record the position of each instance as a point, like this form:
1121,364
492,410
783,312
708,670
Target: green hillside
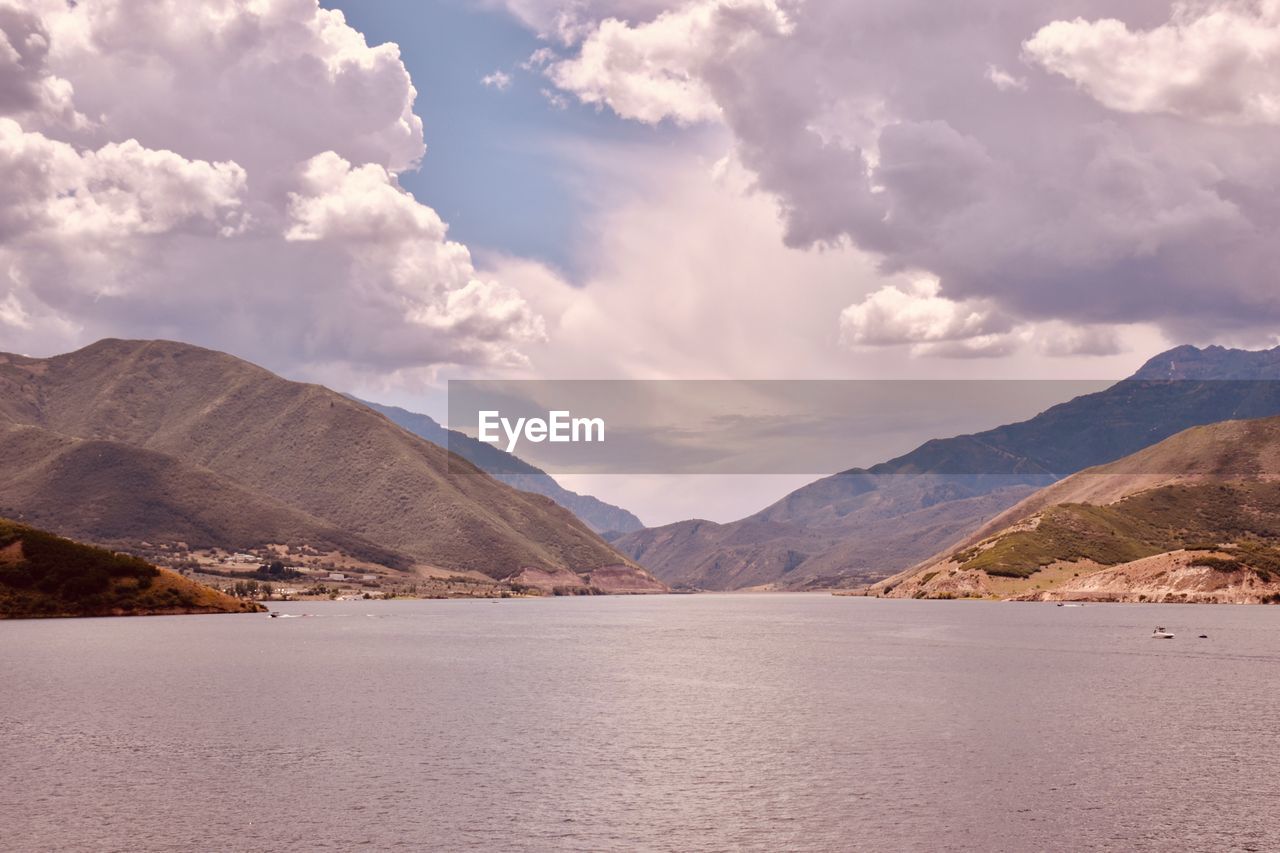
46,575
1242,519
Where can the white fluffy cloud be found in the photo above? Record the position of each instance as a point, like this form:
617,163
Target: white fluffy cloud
361,204
499,80
917,317
929,135
226,173
1005,81
891,316
1217,61
27,87
655,70
401,259
118,191
261,82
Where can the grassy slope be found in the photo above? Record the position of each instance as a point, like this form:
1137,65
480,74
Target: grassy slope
46,575
1169,518
1229,451
1208,484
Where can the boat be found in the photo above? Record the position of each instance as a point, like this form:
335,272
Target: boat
1161,634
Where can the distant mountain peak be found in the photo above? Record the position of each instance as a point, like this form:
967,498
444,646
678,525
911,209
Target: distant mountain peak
1189,362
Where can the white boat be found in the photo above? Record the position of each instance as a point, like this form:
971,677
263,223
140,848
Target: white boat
1161,634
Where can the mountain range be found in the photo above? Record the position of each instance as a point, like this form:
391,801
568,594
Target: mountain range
601,517
863,525
125,442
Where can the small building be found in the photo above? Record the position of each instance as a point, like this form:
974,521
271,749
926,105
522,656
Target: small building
368,577
337,576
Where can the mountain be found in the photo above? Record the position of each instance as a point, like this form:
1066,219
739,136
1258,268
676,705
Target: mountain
126,441
601,517
46,575
1214,362
865,524
1193,518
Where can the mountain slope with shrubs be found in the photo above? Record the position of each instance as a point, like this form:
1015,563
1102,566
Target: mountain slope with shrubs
44,575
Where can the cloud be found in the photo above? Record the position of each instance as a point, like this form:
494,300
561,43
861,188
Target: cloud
653,70
499,80
1211,61
691,278
554,99
26,85
121,190
358,204
227,173
901,138
403,265
276,80
1004,81
567,21
1064,341
891,316
74,223
929,325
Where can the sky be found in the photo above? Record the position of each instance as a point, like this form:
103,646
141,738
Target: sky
382,195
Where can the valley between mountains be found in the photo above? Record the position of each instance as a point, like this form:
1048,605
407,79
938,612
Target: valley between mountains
862,525
1163,487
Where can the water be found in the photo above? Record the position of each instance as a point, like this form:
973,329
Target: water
674,723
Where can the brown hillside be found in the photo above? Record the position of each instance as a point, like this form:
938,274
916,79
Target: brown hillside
1230,451
122,495
43,575
1193,518
208,443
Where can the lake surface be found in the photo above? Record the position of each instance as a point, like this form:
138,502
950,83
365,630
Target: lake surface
689,723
